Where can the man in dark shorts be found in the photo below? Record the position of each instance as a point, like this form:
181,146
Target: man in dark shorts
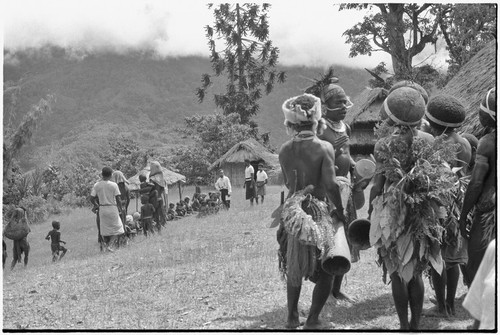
55,245
249,185
481,191
307,160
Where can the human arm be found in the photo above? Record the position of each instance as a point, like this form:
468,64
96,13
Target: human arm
48,236
229,189
328,179
378,182
474,189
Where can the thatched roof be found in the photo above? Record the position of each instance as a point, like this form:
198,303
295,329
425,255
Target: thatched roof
471,83
366,106
170,177
249,149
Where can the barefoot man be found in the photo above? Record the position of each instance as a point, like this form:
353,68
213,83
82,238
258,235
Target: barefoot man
444,114
335,104
480,193
307,160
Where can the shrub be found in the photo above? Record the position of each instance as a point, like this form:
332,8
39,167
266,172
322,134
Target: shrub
36,208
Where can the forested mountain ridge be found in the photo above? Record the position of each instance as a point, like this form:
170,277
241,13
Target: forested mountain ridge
135,95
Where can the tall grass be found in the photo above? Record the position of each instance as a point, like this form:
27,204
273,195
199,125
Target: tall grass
219,272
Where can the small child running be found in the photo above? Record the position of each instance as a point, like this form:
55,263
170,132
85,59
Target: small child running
55,245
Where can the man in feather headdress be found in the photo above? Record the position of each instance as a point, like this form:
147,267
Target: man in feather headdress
480,193
335,104
307,160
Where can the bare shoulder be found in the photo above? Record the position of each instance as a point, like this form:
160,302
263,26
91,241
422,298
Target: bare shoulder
487,145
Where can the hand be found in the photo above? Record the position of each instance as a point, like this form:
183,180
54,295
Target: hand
339,142
463,228
341,216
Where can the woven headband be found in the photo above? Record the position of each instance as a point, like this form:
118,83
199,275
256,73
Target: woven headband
442,123
395,118
487,109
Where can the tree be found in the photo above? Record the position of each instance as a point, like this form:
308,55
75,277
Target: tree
214,135
248,58
24,132
466,28
401,30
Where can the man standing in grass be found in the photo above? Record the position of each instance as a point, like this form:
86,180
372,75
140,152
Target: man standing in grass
106,195
261,183
249,185
306,160
223,185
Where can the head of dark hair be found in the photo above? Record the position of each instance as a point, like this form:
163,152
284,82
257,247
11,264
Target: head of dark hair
56,224
107,172
142,178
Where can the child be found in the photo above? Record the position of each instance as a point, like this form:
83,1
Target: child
147,211
171,214
137,221
189,209
55,244
196,203
180,209
130,227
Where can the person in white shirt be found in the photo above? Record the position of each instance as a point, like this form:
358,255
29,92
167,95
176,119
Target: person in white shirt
480,300
223,185
249,183
261,184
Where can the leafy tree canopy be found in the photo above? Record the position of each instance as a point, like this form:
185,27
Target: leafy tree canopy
248,58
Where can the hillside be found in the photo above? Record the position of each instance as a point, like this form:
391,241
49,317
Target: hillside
134,94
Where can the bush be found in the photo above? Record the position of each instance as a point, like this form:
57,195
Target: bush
36,208
72,200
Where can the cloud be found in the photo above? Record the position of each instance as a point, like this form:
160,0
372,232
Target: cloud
306,35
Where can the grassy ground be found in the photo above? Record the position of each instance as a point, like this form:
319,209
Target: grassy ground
220,272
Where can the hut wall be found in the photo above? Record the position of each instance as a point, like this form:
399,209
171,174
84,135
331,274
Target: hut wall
235,172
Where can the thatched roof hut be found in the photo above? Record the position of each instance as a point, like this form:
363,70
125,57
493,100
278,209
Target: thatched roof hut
470,84
362,119
233,161
171,178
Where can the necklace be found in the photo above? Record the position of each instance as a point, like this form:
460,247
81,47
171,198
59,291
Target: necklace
304,135
336,126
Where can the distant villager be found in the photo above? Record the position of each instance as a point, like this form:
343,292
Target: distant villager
160,185
260,183
21,245
223,185
105,194
249,184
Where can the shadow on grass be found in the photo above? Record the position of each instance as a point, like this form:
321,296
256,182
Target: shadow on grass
342,316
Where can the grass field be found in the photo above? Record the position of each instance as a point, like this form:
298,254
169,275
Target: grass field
220,272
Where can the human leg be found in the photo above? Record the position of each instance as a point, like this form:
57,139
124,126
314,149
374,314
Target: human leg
292,295
452,275
337,294
64,250
439,283
400,296
320,295
26,250
416,298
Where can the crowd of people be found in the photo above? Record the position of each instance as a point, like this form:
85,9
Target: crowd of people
426,184
431,205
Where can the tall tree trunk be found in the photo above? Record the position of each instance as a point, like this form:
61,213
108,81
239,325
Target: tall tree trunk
401,62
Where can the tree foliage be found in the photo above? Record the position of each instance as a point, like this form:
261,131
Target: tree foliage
214,135
24,132
401,30
466,28
248,58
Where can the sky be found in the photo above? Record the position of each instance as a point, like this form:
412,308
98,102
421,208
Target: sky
307,33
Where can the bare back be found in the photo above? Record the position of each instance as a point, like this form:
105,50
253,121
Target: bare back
309,162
